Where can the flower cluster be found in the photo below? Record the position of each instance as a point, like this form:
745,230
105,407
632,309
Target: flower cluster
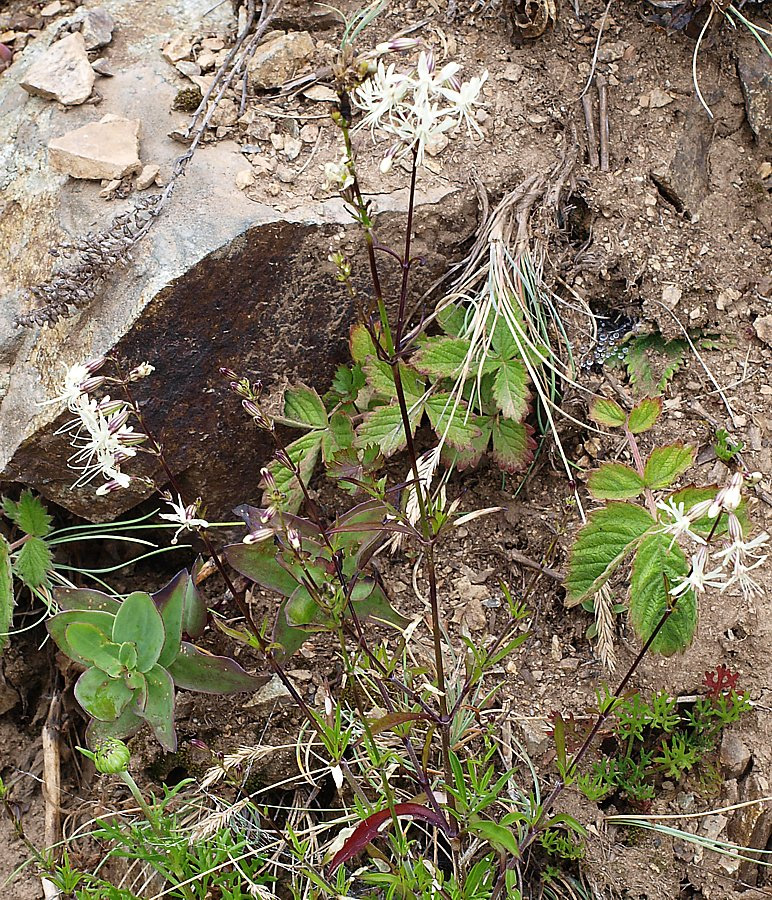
730,566
417,110
100,431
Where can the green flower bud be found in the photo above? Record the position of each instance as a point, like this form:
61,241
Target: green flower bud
112,757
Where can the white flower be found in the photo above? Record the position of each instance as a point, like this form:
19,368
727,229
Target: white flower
680,524
141,371
698,579
78,380
184,516
464,100
729,497
338,176
743,557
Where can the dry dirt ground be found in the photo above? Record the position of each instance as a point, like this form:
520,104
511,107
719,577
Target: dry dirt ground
635,251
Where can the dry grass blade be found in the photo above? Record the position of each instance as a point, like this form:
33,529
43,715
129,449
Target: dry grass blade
604,627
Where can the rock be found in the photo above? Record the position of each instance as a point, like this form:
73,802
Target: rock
535,737
309,133
751,826
206,60
105,149
754,68
187,68
263,165
763,328
612,51
245,178
320,94
147,177
51,9
656,99
734,755
102,67
62,73
279,59
6,57
213,44
225,114
97,28
108,191
292,147
178,48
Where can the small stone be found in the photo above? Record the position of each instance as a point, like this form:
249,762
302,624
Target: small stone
570,664
188,68
474,616
279,59
734,755
244,179
612,51
292,148
309,133
536,738
437,144
225,114
277,140
147,176
177,48
206,60
213,44
261,129
535,119
655,99
763,328
108,191
62,73
320,94
285,174
102,67
671,295
105,149
51,9
97,28
269,694
263,165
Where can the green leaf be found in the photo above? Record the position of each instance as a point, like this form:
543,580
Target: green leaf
304,453
607,412
512,445
195,670
86,598
455,425
510,390
600,546
443,357
380,378
502,839
102,697
502,339
644,414
290,638
260,563
452,319
194,611
303,405
6,592
339,436
57,627
615,481
139,621
360,344
91,645
126,724
652,362
383,428
659,555
376,607
158,709
302,610
170,603
29,514
665,465
470,455
34,563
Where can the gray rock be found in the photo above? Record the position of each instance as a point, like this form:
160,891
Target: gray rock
754,68
102,67
278,59
62,73
734,755
108,148
97,28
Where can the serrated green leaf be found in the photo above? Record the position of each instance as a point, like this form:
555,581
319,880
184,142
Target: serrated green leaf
380,378
615,481
656,556
652,362
6,592
607,412
360,344
138,621
101,696
339,436
452,319
33,563
513,445
158,708
303,405
304,452
644,414
502,339
691,495
467,457
665,464
611,533
443,357
510,390
29,514
382,428
452,424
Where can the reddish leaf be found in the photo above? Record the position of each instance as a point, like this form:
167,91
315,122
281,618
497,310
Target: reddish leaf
369,829
722,681
391,720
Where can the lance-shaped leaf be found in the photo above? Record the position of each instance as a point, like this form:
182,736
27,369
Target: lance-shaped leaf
502,839
34,563
195,670
260,563
139,622
367,830
194,612
452,421
660,561
89,643
86,598
601,545
170,603
158,706
6,592
615,481
125,725
665,465
287,636
383,429
302,611
510,390
443,357
372,603
57,627
607,412
304,407
644,414
304,453
513,445
101,696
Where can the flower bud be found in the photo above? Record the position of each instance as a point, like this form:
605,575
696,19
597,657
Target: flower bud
294,539
112,757
141,371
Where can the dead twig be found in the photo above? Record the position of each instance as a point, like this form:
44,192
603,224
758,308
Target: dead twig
602,85
52,786
592,147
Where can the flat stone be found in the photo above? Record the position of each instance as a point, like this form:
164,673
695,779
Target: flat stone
309,133
279,59
320,94
102,67
108,191
292,147
754,69
62,73
51,9
147,177
188,68
97,28
105,149
178,48
245,178
734,755
763,328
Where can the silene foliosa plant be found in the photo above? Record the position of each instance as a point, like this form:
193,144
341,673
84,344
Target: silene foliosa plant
433,798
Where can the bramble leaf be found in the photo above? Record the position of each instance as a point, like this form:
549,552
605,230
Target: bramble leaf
503,340
452,319
607,412
665,465
360,343
29,514
652,362
304,453
303,405
510,389
443,357
101,696
339,436
512,445
644,414
383,428
139,622
33,563
452,423
657,556
611,533
615,481
470,455
6,592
